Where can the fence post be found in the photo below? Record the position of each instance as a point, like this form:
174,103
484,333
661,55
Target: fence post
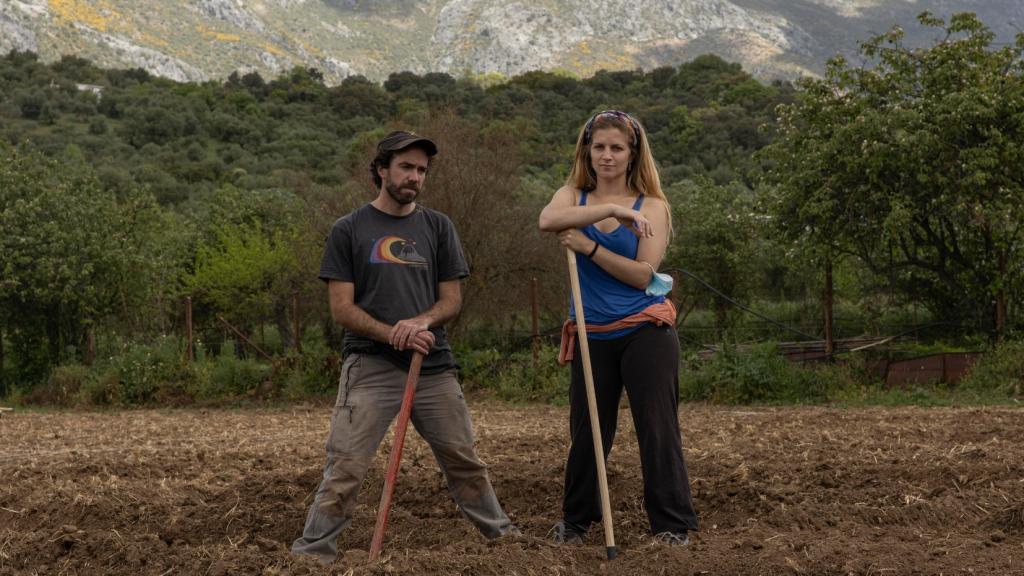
829,344
189,353
535,314
297,326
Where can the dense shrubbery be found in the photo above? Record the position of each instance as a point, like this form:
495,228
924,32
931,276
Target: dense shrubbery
516,377
758,375
1000,371
156,374
117,204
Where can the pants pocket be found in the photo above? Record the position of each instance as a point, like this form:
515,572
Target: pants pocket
349,374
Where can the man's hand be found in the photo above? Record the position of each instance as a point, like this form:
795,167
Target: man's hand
422,342
412,333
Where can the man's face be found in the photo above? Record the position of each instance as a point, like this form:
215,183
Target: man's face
404,178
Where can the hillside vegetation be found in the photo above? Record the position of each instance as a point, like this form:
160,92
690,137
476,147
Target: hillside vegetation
123,193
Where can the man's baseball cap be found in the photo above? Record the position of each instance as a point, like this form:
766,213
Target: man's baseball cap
400,140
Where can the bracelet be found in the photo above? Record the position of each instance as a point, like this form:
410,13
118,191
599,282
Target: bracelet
594,251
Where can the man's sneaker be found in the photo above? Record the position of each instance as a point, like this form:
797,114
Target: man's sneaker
673,538
562,534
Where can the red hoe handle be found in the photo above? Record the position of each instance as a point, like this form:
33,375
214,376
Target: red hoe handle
396,456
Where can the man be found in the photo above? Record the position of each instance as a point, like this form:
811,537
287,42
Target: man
393,270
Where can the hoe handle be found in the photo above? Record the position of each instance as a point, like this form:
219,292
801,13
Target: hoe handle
595,426
396,456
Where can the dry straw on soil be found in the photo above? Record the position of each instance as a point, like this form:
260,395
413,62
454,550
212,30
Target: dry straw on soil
780,491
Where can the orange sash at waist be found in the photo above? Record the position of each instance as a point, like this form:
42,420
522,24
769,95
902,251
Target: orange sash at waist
660,314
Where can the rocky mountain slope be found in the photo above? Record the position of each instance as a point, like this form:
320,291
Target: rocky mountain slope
201,39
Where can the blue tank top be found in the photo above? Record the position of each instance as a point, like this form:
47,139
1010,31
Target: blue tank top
606,298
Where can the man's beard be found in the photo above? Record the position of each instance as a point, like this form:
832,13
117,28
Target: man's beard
403,194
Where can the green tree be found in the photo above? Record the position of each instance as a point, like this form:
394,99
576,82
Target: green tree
253,251
915,166
69,255
237,272
357,96
714,239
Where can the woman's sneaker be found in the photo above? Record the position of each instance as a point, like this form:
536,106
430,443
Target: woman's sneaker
673,538
562,534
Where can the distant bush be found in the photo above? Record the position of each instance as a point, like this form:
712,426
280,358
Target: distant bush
478,366
141,369
139,374
514,377
61,388
155,374
759,375
224,376
1001,370
101,389
315,372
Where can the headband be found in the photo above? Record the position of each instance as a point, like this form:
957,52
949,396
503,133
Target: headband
589,128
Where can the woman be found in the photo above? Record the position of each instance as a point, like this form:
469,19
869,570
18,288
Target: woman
613,213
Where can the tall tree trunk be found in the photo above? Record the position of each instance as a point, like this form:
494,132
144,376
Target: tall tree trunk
240,352
54,341
334,335
89,353
3,372
189,350
1000,303
284,325
721,317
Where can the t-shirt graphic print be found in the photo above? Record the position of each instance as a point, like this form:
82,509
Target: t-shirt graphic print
395,250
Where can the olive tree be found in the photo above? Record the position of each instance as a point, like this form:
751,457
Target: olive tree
913,164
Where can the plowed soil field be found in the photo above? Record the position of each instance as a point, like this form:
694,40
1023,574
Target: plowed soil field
884,491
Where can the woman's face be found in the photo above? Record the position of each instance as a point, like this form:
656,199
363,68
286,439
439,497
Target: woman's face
609,153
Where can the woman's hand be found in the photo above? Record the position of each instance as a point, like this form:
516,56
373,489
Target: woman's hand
576,241
636,222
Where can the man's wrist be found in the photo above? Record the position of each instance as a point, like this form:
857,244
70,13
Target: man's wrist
425,322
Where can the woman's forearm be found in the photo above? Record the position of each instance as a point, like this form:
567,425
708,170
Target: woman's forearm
626,270
558,218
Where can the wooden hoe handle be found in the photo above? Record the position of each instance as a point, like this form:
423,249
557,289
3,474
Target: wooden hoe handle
595,426
396,456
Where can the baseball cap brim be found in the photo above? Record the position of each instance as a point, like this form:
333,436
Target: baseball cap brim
401,140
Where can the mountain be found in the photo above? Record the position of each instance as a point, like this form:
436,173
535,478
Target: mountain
203,39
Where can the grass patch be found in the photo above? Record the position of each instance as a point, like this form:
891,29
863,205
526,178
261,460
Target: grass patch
930,395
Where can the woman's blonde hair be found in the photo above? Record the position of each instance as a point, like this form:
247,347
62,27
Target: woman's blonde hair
641,175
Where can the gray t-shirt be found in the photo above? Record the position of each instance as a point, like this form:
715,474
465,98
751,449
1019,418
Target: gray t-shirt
395,263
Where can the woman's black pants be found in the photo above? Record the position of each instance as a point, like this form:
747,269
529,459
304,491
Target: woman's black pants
646,363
